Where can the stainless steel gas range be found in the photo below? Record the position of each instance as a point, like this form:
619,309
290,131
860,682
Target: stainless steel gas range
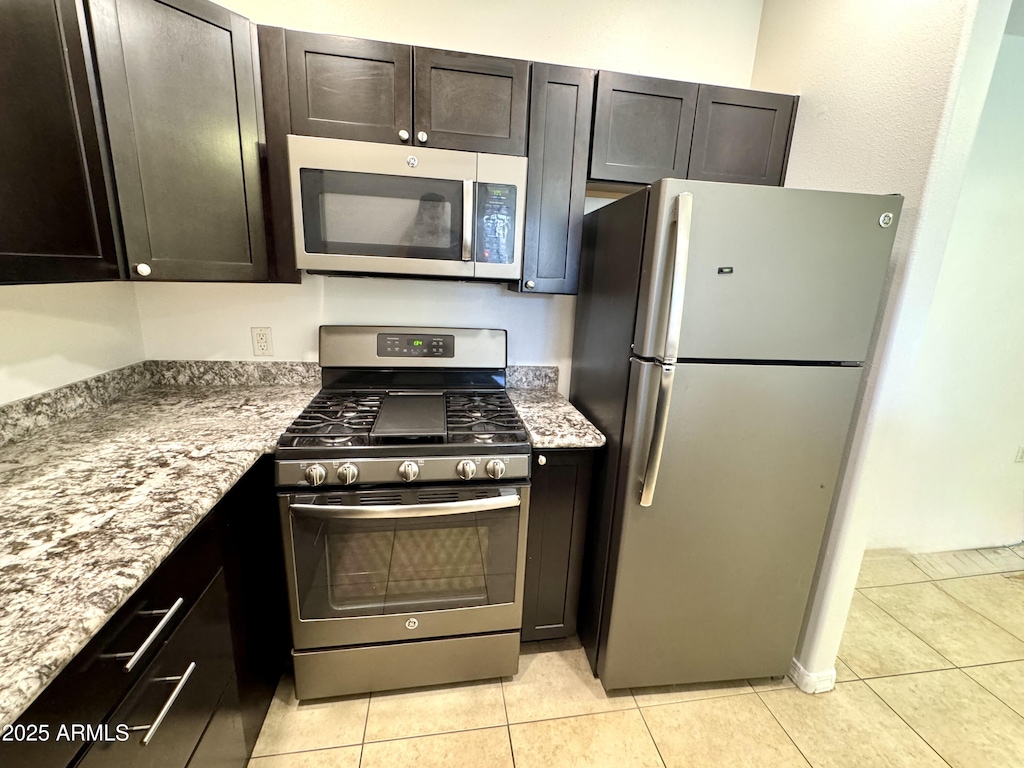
404,494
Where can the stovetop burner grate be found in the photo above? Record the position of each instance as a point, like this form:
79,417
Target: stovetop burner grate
342,419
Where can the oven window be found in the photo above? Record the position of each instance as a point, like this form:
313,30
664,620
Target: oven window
377,215
357,567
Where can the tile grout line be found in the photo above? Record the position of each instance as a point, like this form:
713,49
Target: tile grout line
788,735
882,609
650,733
993,622
904,721
686,701
993,694
416,736
508,726
366,723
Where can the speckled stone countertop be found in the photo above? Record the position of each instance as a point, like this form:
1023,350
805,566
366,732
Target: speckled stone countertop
102,479
552,421
91,506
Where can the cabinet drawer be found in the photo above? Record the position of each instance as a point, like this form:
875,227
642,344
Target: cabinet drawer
98,677
169,708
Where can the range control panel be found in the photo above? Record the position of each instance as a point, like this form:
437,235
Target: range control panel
415,345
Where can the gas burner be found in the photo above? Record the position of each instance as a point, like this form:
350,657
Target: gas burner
334,420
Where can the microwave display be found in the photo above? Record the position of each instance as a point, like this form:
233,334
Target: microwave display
495,223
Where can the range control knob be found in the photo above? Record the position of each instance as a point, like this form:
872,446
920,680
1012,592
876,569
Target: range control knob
496,469
408,471
465,469
347,473
316,474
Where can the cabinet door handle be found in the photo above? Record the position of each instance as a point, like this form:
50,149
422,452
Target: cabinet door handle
135,658
181,680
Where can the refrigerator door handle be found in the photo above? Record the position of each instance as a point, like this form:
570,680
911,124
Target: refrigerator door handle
657,447
680,263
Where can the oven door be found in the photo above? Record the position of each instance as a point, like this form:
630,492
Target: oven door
381,208
389,565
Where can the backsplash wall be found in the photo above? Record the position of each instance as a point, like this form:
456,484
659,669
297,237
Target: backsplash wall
51,335
182,321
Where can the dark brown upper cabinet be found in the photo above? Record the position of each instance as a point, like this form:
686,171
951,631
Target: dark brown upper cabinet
346,88
561,105
58,222
365,90
471,102
642,128
180,100
741,136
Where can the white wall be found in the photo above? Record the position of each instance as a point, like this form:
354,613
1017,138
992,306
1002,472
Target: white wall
212,322
51,335
708,41
891,96
955,484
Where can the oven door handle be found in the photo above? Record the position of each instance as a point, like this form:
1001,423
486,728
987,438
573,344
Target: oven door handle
400,511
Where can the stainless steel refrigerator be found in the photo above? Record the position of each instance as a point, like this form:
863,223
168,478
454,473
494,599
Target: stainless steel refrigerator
721,332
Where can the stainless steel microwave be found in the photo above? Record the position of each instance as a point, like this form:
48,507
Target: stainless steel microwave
390,209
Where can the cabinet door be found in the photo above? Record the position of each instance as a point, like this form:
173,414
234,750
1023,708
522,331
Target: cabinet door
741,136
180,101
346,88
184,685
559,496
471,102
561,104
642,128
54,191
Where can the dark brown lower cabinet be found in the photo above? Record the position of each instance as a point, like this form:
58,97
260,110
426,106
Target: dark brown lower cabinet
559,496
170,708
222,594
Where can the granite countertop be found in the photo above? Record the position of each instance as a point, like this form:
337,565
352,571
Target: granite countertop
101,480
93,505
552,421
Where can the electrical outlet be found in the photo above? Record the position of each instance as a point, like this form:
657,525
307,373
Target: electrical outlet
1020,455
262,342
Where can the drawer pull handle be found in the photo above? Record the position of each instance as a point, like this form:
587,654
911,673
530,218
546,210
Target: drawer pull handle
136,657
151,729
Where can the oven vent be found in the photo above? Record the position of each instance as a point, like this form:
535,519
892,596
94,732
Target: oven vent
381,497
439,495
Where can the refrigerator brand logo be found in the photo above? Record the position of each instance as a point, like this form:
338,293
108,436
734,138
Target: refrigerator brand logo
412,624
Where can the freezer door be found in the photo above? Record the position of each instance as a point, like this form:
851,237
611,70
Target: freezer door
770,273
711,580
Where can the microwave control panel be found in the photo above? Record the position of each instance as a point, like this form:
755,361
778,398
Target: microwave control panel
415,345
495,223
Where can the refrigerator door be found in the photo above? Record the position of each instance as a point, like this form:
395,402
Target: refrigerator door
711,580
762,273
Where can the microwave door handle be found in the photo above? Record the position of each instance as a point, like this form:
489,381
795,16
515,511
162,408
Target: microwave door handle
467,219
683,215
401,511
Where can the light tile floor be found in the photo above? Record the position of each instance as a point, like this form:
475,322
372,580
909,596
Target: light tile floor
931,673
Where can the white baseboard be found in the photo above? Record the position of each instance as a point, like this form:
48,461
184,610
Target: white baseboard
811,682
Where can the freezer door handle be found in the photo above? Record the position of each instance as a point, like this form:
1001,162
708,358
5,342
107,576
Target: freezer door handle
657,447
683,215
